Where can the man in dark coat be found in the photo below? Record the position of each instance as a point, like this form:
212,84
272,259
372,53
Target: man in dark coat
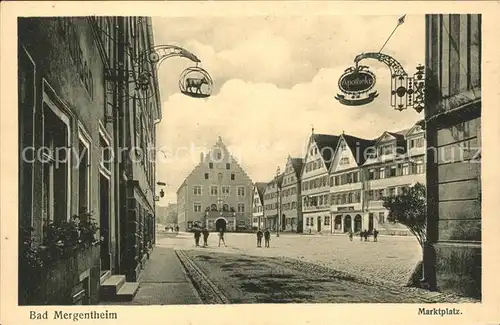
221,237
259,238
267,237
197,235
205,237
375,234
366,234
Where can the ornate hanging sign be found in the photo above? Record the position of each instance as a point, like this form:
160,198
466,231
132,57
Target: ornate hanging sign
406,91
355,85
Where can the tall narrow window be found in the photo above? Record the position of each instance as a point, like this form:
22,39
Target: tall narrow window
56,170
83,173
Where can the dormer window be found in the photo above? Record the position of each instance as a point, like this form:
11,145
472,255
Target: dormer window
386,150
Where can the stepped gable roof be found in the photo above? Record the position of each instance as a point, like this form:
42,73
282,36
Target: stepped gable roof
326,141
358,147
261,188
297,164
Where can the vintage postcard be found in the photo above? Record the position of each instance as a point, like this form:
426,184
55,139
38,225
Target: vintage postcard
302,159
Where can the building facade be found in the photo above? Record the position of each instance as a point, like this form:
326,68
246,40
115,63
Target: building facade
217,194
315,189
71,110
364,171
272,199
398,163
291,200
346,184
452,258
258,205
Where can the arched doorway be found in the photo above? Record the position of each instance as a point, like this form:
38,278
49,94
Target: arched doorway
358,223
347,223
338,223
220,224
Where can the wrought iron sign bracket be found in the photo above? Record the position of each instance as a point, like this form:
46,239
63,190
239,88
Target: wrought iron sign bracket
406,91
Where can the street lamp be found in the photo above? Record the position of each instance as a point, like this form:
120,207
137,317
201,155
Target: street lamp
277,203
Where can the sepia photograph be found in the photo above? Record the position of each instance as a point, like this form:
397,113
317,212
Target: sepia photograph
242,159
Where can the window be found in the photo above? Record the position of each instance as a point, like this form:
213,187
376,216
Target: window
370,195
214,190
357,197
387,150
232,177
381,217
83,173
197,190
327,220
228,166
349,198
241,191
406,170
355,177
380,194
349,178
105,153
371,174
241,207
56,171
420,167
392,191
312,221
206,175
211,165
307,221
392,171
226,190
219,155
294,205
197,207
381,173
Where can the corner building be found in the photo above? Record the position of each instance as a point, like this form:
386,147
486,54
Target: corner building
217,194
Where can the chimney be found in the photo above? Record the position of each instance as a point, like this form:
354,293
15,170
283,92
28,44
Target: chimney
201,157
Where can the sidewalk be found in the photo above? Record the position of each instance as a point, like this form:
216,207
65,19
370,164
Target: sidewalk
164,281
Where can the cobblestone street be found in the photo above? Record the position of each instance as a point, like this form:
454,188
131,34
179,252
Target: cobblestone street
391,259
297,268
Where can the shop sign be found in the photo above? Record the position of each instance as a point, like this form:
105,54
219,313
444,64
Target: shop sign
355,85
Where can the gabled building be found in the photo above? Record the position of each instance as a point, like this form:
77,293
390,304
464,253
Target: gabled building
315,189
272,204
395,162
258,205
291,204
346,184
217,194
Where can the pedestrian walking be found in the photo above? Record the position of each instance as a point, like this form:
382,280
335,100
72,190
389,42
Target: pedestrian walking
259,238
366,234
350,235
176,228
205,237
375,234
361,235
267,237
221,237
197,235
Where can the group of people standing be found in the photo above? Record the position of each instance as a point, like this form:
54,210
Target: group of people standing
267,237
364,235
199,232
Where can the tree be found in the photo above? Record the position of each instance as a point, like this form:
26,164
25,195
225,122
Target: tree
410,209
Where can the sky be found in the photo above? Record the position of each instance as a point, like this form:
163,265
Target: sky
275,77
